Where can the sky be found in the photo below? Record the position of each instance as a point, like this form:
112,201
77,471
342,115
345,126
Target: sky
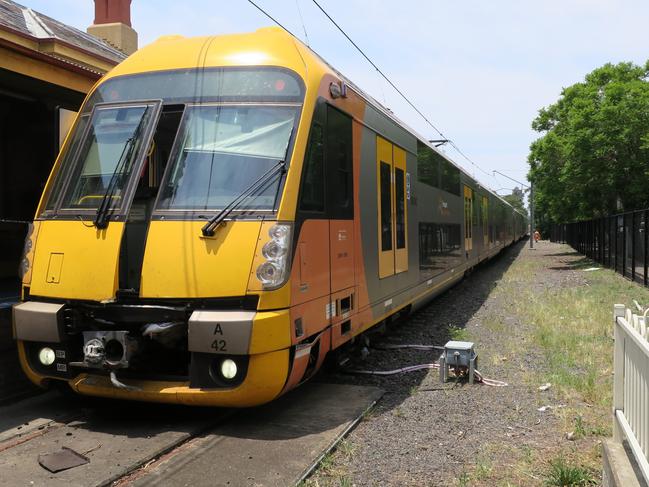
479,70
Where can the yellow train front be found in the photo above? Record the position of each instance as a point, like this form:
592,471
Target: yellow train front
227,210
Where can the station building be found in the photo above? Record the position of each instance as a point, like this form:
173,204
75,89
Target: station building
46,69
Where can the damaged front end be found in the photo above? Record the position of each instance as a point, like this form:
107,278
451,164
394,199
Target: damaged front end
130,343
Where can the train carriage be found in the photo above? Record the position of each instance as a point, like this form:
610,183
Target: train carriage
225,212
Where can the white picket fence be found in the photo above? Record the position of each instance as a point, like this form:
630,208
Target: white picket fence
631,384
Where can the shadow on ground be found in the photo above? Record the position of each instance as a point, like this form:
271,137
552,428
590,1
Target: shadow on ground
444,319
575,265
564,254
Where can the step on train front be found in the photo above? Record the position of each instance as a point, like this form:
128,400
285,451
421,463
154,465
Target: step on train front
226,211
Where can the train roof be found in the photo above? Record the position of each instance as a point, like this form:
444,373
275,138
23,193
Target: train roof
268,46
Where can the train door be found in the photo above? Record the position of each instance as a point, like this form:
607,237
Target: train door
468,219
485,222
340,196
392,208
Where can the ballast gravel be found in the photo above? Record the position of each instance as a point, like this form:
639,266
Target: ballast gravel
425,433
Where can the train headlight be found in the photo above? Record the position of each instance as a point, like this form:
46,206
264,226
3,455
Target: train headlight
279,232
274,271
267,273
46,356
273,250
229,369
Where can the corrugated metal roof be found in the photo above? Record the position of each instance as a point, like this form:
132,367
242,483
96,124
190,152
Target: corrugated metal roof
39,26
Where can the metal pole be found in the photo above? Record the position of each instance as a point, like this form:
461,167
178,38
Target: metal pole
531,215
633,246
644,256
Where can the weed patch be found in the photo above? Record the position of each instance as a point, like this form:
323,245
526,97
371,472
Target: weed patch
563,474
457,333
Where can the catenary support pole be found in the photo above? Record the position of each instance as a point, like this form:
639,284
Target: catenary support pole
531,215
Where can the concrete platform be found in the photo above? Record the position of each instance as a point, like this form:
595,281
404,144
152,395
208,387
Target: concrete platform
277,444
117,437
21,419
274,445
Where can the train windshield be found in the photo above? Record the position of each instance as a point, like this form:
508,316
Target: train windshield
107,155
236,124
224,149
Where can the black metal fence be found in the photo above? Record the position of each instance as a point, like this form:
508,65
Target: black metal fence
616,241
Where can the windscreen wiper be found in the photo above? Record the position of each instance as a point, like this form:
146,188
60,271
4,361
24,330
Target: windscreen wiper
209,228
101,218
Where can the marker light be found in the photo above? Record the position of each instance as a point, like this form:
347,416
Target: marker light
274,271
229,369
46,356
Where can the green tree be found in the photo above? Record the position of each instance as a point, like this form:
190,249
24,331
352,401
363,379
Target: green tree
516,200
593,156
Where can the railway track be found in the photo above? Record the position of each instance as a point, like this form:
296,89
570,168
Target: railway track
143,444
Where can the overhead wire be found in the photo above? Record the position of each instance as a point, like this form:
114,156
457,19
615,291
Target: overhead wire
407,100
367,58
271,17
383,75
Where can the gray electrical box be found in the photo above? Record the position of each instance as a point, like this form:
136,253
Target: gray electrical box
459,355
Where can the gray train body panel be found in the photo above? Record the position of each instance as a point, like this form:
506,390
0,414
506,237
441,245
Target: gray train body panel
427,204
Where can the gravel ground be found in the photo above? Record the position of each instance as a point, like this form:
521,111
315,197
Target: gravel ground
426,433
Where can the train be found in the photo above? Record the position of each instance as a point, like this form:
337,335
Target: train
225,212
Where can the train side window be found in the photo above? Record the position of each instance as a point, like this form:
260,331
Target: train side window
386,207
439,247
427,165
312,198
400,207
450,178
339,163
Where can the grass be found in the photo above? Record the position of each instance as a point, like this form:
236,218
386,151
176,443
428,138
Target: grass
580,429
563,474
464,479
329,472
327,462
369,414
527,454
568,329
457,333
483,467
573,327
346,448
344,482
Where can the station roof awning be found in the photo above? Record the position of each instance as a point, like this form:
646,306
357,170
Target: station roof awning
56,52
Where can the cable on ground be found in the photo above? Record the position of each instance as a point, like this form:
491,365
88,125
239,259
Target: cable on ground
412,368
